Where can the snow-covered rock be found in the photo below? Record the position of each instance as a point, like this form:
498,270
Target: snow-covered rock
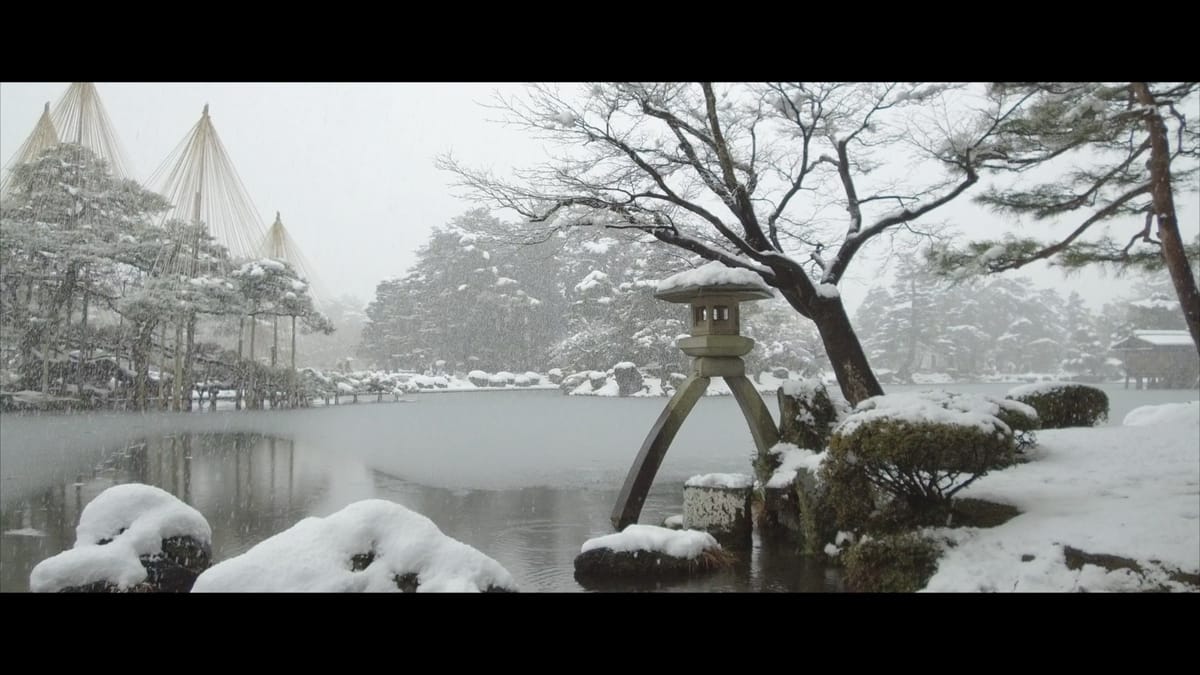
650,551
131,537
369,546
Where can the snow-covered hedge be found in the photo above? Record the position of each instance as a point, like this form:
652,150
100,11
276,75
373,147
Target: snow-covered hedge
896,564
1063,404
918,450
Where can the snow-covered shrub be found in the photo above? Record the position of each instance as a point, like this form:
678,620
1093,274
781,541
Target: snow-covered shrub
916,451
1063,404
896,564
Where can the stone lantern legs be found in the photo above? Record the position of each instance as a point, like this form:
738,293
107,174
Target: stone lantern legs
713,293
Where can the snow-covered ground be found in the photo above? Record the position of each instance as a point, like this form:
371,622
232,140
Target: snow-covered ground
1131,491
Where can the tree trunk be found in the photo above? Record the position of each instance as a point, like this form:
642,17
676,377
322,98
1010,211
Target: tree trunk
295,381
162,365
189,361
83,336
1164,206
253,391
178,389
46,359
854,375
140,361
237,384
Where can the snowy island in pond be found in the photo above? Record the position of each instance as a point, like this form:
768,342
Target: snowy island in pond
370,546
650,551
130,537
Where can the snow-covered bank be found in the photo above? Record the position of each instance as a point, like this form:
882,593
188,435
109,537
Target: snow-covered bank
765,382
1131,491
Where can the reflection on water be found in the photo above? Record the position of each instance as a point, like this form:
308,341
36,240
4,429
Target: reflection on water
251,486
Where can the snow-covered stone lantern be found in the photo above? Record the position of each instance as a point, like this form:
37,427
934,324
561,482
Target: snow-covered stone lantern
714,293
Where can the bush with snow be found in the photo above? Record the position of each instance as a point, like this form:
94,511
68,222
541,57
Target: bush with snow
370,546
130,538
913,451
1063,404
896,564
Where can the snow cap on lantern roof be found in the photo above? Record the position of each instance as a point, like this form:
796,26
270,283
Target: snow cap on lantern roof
715,278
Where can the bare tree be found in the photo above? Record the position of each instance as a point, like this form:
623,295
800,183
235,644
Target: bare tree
789,180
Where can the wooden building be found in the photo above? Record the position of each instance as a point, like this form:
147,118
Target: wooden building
1160,359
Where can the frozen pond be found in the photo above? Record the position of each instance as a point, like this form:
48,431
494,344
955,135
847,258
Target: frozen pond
524,476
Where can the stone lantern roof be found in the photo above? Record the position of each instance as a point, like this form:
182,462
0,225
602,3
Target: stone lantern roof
732,283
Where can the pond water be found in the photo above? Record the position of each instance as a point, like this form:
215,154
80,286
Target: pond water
524,476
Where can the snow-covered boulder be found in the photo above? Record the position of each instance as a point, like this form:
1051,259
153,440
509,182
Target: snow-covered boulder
795,503
573,381
370,546
1167,413
597,378
130,538
629,380
807,414
650,552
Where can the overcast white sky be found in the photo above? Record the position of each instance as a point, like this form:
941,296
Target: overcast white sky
350,166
